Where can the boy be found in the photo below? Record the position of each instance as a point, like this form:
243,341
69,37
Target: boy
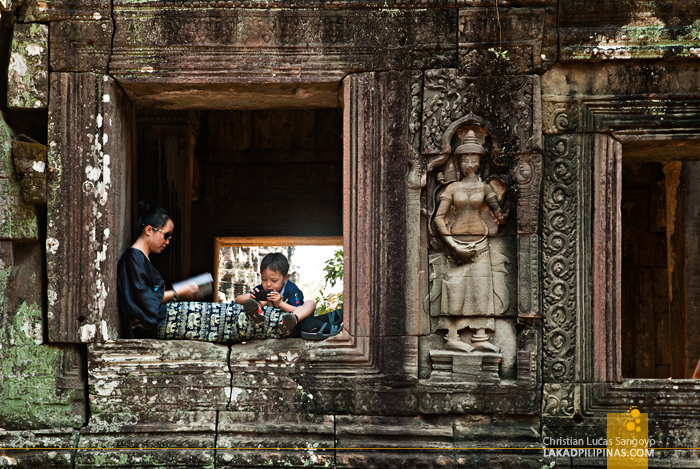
283,294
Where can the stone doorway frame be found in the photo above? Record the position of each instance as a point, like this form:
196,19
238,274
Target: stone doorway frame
585,136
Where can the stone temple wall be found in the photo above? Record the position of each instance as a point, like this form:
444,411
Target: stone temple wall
482,304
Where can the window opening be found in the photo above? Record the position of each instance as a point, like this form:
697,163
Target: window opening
255,173
658,291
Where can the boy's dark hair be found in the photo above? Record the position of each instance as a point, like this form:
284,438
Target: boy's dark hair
276,262
156,217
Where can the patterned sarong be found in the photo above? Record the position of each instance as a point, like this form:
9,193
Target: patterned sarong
218,322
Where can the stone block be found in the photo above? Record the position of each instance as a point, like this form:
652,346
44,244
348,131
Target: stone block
45,11
38,448
28,73
246,439
506,41
604,30
497,431
22,298
17,218
80,46
151,42
131,379
170,439
10,5
424,442
42,387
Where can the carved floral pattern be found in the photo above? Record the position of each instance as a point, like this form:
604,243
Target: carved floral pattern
505,102
559,257
560,117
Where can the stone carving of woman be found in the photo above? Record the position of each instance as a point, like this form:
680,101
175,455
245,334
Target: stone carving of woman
473,286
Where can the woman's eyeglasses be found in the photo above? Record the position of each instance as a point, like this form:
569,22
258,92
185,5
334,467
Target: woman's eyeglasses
166,234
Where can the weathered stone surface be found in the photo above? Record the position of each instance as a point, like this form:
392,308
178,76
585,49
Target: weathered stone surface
30,165
604,30
39,448
81,46
474,431
509,107
42,387
90,153
256,439
22,299
131,379
424,442
28,73
615,96
506,41
58,10
170,440
9,5
17,218
185,45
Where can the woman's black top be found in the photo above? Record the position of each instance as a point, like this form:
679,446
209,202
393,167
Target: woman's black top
140,290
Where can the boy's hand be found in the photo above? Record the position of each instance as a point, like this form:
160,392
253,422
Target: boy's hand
275,298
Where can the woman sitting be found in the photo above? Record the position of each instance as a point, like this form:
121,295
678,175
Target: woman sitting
155,313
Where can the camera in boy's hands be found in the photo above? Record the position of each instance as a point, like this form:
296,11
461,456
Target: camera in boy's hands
261,295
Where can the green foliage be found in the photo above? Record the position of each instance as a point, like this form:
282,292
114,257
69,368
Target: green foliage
334,274
334,268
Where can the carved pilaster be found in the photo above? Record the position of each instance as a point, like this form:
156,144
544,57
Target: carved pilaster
559,257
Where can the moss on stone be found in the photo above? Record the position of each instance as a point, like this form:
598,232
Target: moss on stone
32,396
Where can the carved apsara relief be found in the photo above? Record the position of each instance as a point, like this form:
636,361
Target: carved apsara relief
481,187
469,198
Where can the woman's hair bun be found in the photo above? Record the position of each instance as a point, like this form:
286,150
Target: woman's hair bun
155,216
143,208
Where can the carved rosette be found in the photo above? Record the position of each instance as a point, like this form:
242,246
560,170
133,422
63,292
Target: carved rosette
560,117
505,103
559,258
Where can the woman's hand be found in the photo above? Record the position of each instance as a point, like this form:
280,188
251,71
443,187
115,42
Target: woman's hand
465,252
189,292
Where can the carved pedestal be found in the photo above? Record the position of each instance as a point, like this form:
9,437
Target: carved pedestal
465,367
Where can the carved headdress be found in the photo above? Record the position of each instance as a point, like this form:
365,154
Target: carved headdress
470,144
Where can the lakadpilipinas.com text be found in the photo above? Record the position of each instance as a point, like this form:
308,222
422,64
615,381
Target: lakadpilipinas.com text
598,447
